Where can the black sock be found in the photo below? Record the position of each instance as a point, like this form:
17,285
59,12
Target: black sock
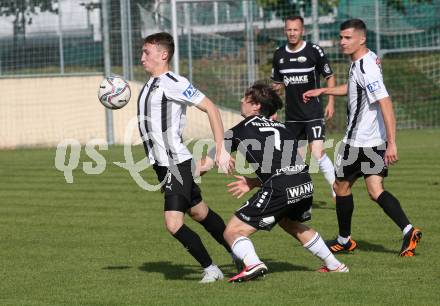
191,241
215,225
344,211
392,208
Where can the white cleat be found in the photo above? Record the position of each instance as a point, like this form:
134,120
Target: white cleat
211,275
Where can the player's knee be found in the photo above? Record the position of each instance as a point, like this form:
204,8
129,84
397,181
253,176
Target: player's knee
173,225
341,188
374,193
337,187
198,212
317,153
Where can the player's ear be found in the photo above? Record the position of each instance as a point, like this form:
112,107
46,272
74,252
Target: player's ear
257,107
363,38
165,55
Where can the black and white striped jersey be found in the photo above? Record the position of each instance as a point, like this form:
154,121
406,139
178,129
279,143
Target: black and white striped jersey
365,127
300,71
162,115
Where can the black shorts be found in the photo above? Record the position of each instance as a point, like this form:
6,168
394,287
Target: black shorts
283,196
354,162
181,192
307,130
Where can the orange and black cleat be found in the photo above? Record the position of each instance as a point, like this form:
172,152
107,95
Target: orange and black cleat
410,241
336,247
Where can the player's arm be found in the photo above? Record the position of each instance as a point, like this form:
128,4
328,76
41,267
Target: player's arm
386,106
276,77
242,185
222,157
330,108
340,90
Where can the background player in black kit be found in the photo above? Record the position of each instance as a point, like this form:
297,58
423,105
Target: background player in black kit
286,192
298,66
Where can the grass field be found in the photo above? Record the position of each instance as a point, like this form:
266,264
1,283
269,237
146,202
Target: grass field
101,240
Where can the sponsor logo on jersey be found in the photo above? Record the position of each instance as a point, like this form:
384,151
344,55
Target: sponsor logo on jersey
327,68
291,169
300,59
294,194
281,60
296,79
190,92
372,87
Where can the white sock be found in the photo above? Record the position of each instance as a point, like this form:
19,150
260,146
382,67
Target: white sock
343,240
244,249
317,247
407,229
326,167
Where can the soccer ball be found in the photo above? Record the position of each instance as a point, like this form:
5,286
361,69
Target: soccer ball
114,92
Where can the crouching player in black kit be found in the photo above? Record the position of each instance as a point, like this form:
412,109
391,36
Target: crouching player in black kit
286,189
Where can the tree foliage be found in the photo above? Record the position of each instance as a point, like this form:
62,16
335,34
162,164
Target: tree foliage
24,10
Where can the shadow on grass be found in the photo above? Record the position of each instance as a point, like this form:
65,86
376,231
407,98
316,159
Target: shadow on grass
173,271
279,266
324,205
371,247
116,268
193,272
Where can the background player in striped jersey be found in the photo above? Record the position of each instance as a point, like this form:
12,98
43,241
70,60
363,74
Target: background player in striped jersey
297,66
161,112
369,145
286,190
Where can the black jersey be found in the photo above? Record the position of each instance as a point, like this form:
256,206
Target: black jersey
267,145
300,71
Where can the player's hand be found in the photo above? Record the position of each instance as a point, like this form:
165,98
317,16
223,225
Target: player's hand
240,187
329,111
203,165
312,93
391,154
224,161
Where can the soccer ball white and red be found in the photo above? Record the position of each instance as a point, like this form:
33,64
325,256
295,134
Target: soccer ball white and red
114,92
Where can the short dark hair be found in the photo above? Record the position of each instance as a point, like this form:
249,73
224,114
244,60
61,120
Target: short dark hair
356,24
266,96
294,17
163,39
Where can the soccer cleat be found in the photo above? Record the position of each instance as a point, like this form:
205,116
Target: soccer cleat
336,247
410,241
211,275
341,269
249,272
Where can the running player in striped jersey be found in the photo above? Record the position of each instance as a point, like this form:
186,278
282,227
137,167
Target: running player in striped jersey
369,145
161,112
